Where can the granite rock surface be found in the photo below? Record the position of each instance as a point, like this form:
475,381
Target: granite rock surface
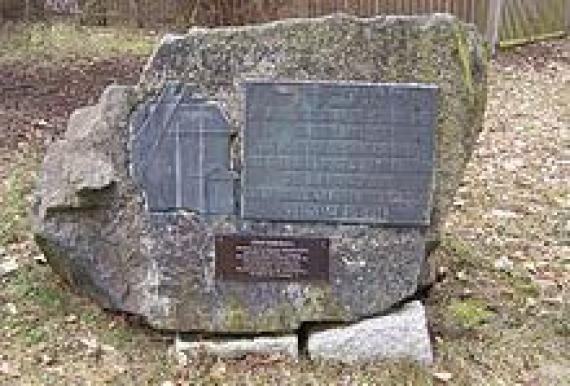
92,224
399,335
239,348
436,49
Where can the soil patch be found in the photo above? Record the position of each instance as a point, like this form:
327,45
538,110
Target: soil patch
36,99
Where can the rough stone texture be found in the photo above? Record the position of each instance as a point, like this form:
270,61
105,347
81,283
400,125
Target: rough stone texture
436,49
92,225
90,217
402,334
239,348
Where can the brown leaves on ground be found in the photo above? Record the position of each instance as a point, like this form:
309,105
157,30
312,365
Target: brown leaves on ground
507,246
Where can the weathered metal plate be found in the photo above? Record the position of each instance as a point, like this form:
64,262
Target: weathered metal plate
265,258
180,154
339,152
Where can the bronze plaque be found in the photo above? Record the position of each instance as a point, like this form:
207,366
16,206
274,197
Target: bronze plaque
271,258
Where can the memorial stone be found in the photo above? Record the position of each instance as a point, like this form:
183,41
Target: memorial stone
258,178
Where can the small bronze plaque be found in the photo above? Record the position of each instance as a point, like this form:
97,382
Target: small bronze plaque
271,258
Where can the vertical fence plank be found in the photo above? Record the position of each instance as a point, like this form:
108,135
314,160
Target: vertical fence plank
435,6
507,24
559,14
528,18
516,17
493,19
546,21
531,19
534,16
238,11
428,6
459,9
567,15
482,15
27,11
417,7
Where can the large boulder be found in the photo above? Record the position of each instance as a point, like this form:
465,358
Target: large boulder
93,223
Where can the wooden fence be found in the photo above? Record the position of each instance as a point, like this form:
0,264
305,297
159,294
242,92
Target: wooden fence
509,21
240,12
528,20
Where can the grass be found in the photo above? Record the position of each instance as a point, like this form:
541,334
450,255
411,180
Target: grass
14,204
51,327
59,40
56,337
457,247
472,333
469,313
98,347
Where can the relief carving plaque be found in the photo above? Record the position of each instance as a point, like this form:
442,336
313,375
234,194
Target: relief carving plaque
339,152
267,258
180,153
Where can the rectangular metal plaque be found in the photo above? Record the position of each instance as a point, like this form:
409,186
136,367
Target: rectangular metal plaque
268,258
339,152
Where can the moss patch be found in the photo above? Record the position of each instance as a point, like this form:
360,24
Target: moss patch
236,317
469,313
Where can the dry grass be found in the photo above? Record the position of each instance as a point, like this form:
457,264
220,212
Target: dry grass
59,40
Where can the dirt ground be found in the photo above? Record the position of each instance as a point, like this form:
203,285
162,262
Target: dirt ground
36,99
499,313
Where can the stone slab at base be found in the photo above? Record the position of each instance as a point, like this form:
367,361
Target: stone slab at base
400,335
239,348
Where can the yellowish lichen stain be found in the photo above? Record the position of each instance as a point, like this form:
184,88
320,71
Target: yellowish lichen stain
464,59
319,305
236,317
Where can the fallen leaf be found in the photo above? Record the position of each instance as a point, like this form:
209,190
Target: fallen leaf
443,376
41,259
8,266
9,371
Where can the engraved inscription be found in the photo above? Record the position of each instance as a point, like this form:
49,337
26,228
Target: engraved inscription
339,152
265,258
